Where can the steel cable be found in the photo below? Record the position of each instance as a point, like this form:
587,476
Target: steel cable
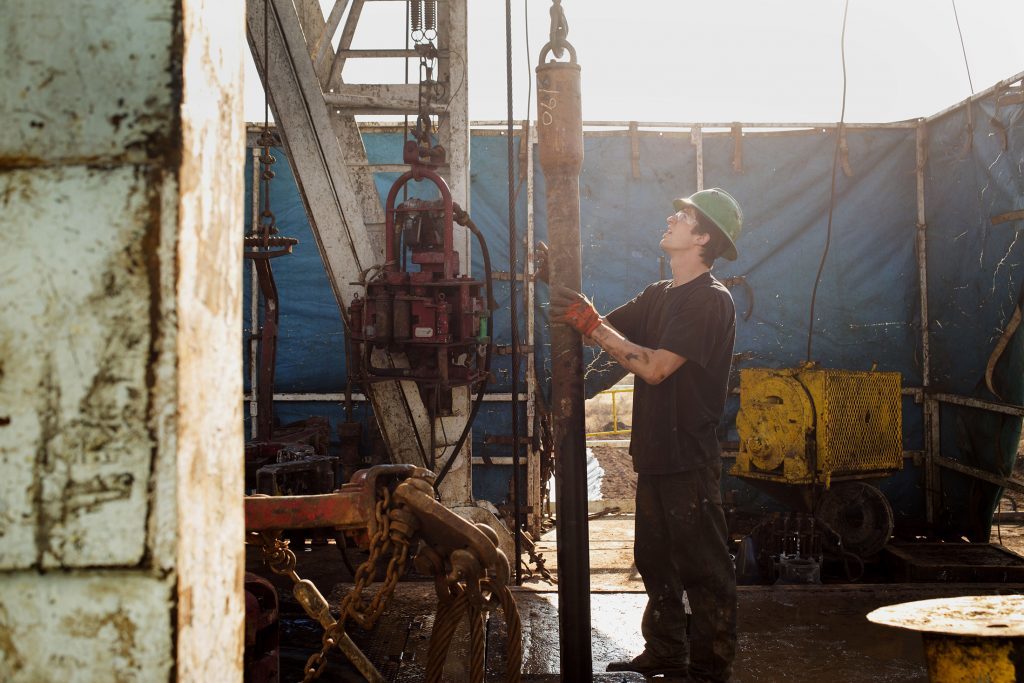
514,630
476,642
445,622
449,613
962,47
513,248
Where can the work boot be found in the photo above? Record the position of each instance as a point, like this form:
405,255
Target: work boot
649,665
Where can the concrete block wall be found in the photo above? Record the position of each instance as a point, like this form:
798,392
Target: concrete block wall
121,526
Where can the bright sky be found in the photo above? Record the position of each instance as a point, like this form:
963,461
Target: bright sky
724,60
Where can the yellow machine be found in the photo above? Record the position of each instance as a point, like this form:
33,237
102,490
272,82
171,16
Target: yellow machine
808,425
809,436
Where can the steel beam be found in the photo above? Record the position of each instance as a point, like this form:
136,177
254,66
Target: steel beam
332,205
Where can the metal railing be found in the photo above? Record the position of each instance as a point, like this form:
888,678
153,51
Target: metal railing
616,430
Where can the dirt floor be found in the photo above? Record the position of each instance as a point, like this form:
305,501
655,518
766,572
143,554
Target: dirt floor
786,633
619,482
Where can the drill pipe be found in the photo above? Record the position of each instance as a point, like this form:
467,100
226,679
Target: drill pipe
560,149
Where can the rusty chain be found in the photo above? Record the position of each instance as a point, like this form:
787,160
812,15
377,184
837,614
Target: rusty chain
423,31
559,29
394,529
389,535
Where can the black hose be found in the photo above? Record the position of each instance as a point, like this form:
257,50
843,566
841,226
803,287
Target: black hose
844,555
341,541
462,218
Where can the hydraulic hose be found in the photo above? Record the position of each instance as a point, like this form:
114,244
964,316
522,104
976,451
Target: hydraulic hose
462,218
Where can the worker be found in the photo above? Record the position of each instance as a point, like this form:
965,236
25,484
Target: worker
677,337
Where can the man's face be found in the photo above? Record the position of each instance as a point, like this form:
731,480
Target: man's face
679,235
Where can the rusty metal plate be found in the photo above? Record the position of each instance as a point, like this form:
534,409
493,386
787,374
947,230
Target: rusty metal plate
953,562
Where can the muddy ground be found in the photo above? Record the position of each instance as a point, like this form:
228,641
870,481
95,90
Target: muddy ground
619,481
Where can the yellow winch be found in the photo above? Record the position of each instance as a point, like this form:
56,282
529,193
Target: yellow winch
806,425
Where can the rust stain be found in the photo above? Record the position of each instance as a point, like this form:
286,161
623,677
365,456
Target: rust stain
185,607
9,653
108,425
93,493
43,466
19,186
131,156
151,217
116,119
81,625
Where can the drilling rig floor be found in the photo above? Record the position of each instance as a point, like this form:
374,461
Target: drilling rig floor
786,632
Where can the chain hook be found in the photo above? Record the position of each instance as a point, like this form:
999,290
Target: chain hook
558,41
559,29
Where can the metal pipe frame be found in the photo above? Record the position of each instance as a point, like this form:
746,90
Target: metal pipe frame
932,491
254,305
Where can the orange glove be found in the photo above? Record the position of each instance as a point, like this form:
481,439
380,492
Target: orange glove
574,309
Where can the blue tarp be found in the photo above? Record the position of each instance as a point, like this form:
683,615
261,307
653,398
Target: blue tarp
867,309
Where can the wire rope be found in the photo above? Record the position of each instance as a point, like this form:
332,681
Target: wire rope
513,248
963,49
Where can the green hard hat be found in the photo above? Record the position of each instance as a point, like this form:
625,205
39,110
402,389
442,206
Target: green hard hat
722,209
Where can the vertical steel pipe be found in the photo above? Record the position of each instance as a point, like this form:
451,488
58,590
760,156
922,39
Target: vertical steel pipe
560,147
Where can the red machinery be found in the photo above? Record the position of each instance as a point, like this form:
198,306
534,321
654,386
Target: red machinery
422,307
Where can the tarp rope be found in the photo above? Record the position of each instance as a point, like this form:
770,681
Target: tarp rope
832,194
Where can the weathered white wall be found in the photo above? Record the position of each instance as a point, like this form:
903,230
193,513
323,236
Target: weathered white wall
210,448
120,427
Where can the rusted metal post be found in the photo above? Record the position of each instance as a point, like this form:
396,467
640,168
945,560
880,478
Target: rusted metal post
560,146
932,474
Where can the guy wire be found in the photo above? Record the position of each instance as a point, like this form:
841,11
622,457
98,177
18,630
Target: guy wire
513,248
962,47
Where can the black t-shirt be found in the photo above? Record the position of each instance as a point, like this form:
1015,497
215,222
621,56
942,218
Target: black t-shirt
674,422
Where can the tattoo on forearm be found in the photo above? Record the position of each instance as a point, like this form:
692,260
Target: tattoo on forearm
612,342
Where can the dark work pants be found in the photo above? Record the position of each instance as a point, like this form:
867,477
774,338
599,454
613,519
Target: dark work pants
682,545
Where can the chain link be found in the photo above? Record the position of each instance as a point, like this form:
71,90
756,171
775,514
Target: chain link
558,36
385,538
423,31
281,560
394,528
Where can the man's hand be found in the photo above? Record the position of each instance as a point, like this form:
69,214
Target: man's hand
574,309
